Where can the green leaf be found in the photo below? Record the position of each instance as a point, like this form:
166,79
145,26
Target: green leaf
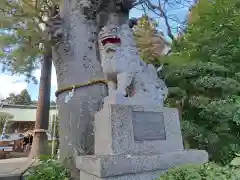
235,161
20,43
204,64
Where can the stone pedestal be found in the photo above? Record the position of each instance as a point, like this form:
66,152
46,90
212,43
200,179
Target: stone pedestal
136,143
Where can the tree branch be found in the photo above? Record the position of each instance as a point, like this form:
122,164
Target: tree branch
163,14
138,3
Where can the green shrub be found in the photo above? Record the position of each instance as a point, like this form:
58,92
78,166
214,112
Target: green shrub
208,171
48,169
235,163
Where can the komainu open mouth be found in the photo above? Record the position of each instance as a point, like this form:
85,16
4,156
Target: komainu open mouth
111,40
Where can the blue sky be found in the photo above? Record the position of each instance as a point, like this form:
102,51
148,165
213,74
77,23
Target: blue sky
15,84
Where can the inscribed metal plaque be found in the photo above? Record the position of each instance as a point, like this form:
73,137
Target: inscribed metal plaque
148,126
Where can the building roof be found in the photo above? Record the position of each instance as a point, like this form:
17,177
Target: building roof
5,105
23,112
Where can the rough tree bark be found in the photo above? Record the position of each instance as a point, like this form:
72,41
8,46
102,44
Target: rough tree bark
39,145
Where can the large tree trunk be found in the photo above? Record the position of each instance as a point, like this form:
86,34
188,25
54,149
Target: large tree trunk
77,62
39,145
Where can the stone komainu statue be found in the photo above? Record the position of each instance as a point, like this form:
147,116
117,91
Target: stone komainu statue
130,80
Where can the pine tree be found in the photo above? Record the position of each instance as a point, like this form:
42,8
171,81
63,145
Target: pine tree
25,97
20,42
23,38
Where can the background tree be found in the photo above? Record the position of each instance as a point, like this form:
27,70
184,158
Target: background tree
206,87
11,99
207,100
23,98
150,40
43,107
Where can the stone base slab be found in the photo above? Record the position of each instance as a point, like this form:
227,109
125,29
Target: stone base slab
151,175
148,166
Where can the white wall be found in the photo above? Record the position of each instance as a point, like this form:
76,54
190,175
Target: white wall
24,114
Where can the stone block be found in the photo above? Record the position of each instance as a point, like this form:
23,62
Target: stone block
151,175
125,129
138,166
136,143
